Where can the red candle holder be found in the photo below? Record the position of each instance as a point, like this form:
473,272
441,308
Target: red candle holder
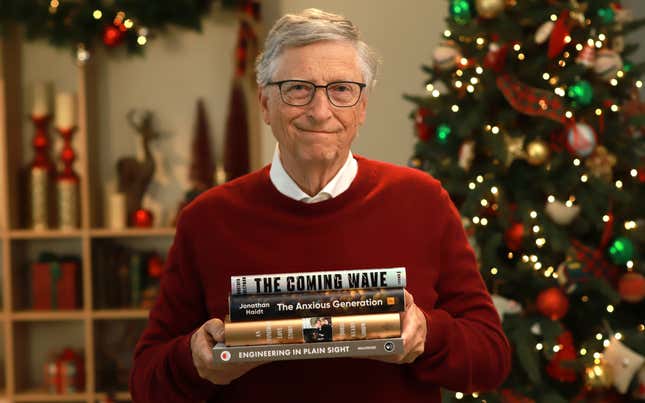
67,183
41,170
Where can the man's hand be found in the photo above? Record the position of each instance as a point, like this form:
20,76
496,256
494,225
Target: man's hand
413,332
201,344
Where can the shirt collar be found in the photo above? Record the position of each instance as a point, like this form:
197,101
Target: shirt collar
288,187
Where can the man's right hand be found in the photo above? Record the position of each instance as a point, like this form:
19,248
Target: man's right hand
201,344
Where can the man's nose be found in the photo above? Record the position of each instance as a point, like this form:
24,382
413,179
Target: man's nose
320,107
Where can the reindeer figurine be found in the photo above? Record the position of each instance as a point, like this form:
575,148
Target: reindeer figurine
135,175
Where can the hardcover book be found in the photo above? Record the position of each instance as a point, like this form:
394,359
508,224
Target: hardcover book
283,352
318,281
308,304
313,330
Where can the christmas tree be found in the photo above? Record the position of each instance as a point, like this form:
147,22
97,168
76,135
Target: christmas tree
533,124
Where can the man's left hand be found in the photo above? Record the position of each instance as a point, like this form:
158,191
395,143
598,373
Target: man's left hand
413,331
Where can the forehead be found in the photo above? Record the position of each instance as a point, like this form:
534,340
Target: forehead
319,62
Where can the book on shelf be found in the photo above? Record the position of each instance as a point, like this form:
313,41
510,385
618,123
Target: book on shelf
313,330
318,281
281,352
252,307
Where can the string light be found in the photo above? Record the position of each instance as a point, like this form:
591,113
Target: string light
556,348
455,108
509,255
639,84
520,56
584,178
536,229
630,264
493,271
525,259
459,395
576,162
483,202
553,17
618,336
605,218
633,173
474,80
435,93
562,63
598,111
559,91
602,37
619,184
539,347
494,129
470,88
447,33
479,179
97,14
458,84
590,42
128,23
629,225
584,298
605,343
598,337
463,61
579,47
583,351
598,44
475,395
538,266
472,186
568,114
553,80
480,41
534,258
610,309
613,82
475,220
596,355
540,242
494,190
484,221
614,108
567,39
479,70
459,72
620,74
546,76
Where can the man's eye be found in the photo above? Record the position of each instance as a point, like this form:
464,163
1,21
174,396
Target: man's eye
341,88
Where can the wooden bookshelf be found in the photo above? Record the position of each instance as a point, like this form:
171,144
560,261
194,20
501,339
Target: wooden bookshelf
26,333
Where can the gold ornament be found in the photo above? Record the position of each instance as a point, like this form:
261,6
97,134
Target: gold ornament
489,8
514,148
598,376
600,163
537,152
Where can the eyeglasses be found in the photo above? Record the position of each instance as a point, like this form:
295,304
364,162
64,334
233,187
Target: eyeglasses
342,94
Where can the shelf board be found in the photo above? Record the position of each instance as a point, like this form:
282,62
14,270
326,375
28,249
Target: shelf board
45,234
40,395
132,232
120,396
120,314
48,315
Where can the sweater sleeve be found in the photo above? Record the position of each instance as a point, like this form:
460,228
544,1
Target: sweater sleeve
465,348
163,369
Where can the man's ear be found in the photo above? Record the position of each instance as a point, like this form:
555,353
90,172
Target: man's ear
263,99
362,109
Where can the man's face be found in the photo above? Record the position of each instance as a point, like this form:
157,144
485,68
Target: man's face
319,132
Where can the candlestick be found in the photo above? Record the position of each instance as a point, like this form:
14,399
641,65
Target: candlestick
41,170
67,183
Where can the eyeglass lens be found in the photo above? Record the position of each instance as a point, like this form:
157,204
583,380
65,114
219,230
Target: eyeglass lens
300,93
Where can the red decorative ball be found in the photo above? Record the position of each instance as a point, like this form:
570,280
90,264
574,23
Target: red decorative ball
552,303
495,59
514,236
567,353
631,287
142,218
112,36
423,130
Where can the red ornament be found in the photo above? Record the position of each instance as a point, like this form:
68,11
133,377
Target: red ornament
631,287
155,266
112,36
566,353
552,303
142,218
514,236
423,130
495,59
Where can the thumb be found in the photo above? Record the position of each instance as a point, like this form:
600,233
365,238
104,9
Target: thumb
409,300
215,328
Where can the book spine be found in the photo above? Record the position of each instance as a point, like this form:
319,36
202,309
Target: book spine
283,352
318,281
307,304
312,330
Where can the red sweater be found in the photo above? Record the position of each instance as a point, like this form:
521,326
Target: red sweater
390,216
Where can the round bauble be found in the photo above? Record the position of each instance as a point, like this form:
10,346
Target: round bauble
543,32
443,133
422,128
552,303
514,236
489,8
631,287
607,64
581,139
560,213
581,93
537,152
461,11
446,55
112,36
621,250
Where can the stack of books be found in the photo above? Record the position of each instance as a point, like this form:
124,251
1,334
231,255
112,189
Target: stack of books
292,316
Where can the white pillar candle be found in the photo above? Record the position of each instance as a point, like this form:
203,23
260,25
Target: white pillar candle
65,110
117,213
40,105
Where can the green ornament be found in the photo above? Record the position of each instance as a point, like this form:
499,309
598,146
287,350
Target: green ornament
461,11
628,66
607,15
621,250
581,93
443,132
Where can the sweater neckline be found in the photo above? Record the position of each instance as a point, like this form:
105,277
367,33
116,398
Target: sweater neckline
364,181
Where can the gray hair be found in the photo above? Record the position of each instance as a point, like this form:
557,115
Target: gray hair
312,25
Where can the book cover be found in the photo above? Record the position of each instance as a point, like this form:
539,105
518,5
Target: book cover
283,352
312,330
318,281
323,303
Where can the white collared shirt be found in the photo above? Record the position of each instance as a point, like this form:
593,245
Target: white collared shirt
288,187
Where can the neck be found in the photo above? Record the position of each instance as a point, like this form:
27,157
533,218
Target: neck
312,177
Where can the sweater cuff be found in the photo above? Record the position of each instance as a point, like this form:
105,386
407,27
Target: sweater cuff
437,322
193,384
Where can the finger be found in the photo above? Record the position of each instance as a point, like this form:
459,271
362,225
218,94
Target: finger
409,299
215,329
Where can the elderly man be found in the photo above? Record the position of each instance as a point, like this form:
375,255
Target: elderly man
319,207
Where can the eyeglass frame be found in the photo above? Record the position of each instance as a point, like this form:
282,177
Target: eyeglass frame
360,93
